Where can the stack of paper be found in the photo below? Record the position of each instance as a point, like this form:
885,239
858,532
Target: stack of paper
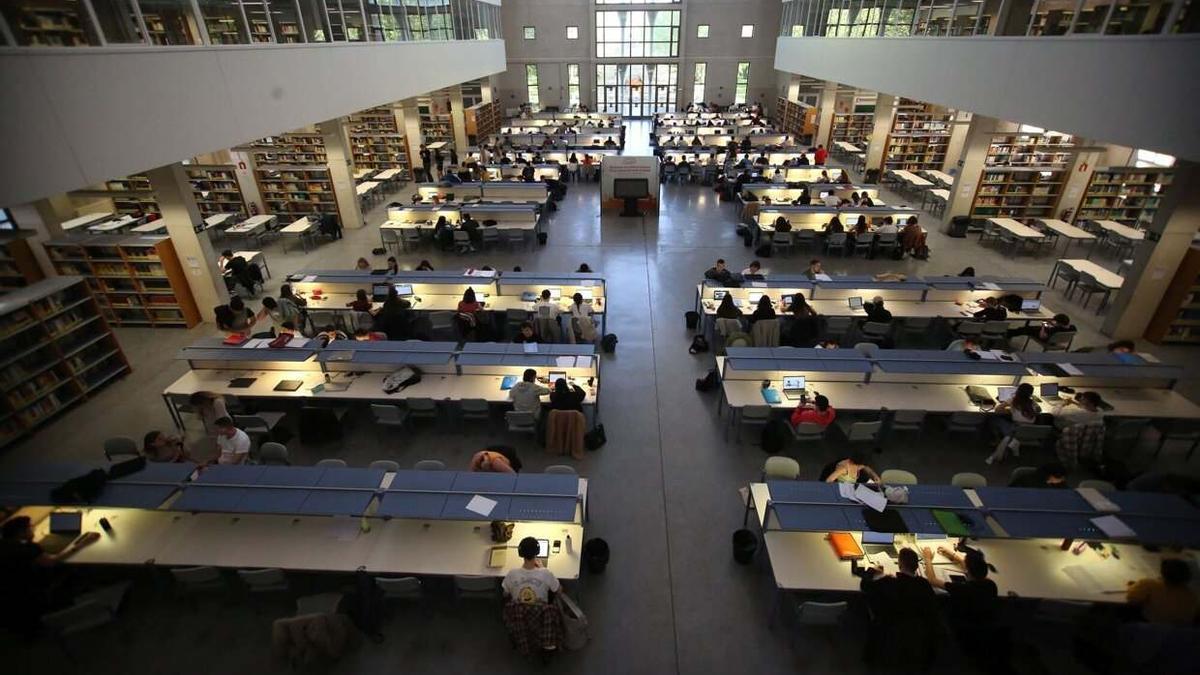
863,495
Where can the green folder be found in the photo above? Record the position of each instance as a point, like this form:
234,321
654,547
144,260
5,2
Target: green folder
951,524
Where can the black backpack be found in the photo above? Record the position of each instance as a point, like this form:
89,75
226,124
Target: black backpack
699,345
709,381
608,343
595,555
763,251
692,319
775,436
81,489
596,438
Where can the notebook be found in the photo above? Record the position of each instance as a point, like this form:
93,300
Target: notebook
241,382
289,385
508,382
845,546
770,395
951,523
498,556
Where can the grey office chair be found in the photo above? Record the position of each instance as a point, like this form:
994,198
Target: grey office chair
963,422
968,479
836,240
561,469
410,237
475,588
387,415
332,462
273,453
476,409
898,477
391,239
1021,472
907,420
385,465
402,588
875,331
828,614
430,465
193,580
807,432
120,447
863,432
270,580
422,409
784,468
1095,484
754,416
520,422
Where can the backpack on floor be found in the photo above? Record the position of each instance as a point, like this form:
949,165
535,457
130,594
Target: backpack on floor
692,319
775,436
922,253
763,251
709,381
608,343
699,345
542,237
596,438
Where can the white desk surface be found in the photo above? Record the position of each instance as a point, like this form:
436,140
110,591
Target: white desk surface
950,398
940,176
365,387
364,188
911,178
529,224
123,221
84,220
218,219
1030,568
1066,229
250,224
250,256
436,145
900,309
388,174
363,173
150,227
441,303
847,147
299,226
1016,229
1121,230
941,194
1103,277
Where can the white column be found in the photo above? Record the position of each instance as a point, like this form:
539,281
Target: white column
970,164
458,121
885,113
826,106
341,171
958,136
410,123
177,204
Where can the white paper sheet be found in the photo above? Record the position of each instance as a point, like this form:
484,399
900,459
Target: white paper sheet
583,362
823,277
565,361
309,278
530,347
1113,526
846,491
871,498
481,505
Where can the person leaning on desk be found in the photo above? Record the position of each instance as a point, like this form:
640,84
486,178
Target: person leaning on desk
526,395
904,615
974,606
27,584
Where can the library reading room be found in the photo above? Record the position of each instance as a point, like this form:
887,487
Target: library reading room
600,336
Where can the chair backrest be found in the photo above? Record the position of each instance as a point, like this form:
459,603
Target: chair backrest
411,233
383,412
516,316
78,617
864,431
964,418
420,404
389,235
120,446
262,579
809,430
560,469
1061,339
908,417
781,467
781,238
876,328
1033,432
970,328
467,585
756,412
1020,472
765,333
462,237
837,324
738,339
898,477
385,464
995,327
836,239
519,419
1067,273
430,465
332,462
253,422
195,576
403,587
967,479
867,349
812,613
914,324
273,453
885,238
473,405
1128,429
1095,484
728,326
1086,279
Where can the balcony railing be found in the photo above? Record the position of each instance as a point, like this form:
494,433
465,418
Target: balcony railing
99,23
904,18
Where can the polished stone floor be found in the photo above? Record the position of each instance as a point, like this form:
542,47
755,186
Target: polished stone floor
664,489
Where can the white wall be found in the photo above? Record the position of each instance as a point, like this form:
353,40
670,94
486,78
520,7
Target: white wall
725,47
551,51
79,116
1133,90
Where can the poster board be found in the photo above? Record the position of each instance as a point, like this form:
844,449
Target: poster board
627,166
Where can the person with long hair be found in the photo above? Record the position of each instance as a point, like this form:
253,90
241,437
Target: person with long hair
764,310
804,326
728,309
1021,409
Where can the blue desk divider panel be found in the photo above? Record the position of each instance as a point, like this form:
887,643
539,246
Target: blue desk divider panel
412,504
524,507
230,474
803,518
272,500
1032,499
804,492
921,521
429,481
48,472
546,484
1165,532
290,476
209,498
347,477
337,502
26,494
1153,504
155,472
484,483
134,495
456,507
1031,524
938,497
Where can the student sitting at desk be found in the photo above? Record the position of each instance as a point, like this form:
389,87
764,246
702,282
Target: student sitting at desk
526,395
753,270
818,412
992,311
904,615
719,272
159,447
1122,347
471,227
329,334
814,269
233,443
488,460
235,317
363,265
876,312
28,584
852,469
567,396
803,199
974,606
820,156
425,266
764,310
866,201
778,177
804,326
1021,409
1168,599
886,227
728,309
280,311
913,238
532,619
831,200
361,301
835,226
582,323
393,266
1048,329
963,345
525,334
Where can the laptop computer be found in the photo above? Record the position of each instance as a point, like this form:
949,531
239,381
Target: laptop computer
753,298
1031,305
555,293
793,386
66,522
404,290
785,302
1049,390
856,303
1005,394
585,293
379,292
556,375
878,542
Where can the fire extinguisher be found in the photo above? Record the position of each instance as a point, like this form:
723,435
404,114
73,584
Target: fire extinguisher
253,209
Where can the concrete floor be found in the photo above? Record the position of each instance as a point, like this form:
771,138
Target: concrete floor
664,488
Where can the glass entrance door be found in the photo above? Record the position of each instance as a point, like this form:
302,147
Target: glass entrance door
636,89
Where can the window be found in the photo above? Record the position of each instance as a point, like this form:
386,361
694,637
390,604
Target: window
698,83
637,34
573,84
798,30
702,31
636,89
6,220
637,2
530,33
572,32
531,85
1149,158
747,30
743,83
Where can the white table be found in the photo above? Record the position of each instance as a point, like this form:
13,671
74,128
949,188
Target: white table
218,219
848,148
151,227
85,220
360,174
1066,231
941,177
303,229
437,145
253,227
115,225
389,175
911,179
1113,227
1022,233
1103,277
939,198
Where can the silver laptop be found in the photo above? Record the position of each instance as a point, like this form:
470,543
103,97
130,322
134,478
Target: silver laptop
754,298
404,290
793,386
719,295
556,375
856,303
1031,305
1005,394
1049,391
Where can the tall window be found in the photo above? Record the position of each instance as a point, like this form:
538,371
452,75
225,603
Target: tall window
698,83
637,33
572,32
702,31
636,89
530,33
743,83
531,85
747,30
1149,158
573,84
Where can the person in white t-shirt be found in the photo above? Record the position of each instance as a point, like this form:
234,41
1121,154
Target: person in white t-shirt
233,443
532,620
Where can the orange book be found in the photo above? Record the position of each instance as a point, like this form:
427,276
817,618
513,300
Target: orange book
844,546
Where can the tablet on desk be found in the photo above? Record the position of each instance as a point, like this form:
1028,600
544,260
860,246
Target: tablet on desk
1005,394
241,382
556,375
856,303
66,522
543,548
719,295
289,385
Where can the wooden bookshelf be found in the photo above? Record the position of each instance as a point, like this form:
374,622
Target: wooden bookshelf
296,189
1177,319
434,126
1030,150
1127,194
216,189
854,128
376,141
58,349
223,30
1018,192
794,118
482,120
290,148
131,195
18,267
919,138
137,281
49,23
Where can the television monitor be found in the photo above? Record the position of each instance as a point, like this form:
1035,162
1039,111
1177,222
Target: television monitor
404,290
631,188
379,292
